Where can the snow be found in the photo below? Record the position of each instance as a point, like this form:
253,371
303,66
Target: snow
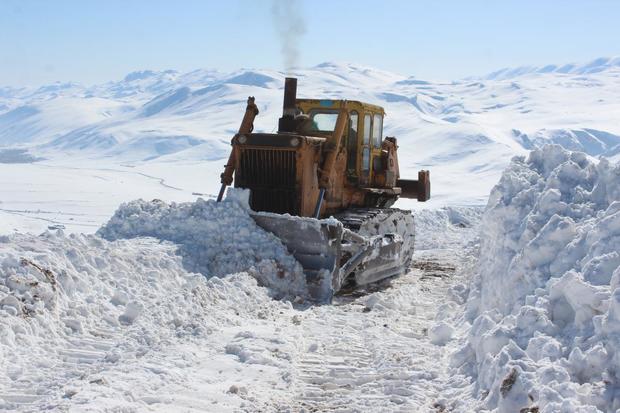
99,324
124,325
17,156
181,303
595,66
214,238
542,304
441,333
525,316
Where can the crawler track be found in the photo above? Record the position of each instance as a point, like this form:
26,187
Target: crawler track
371,222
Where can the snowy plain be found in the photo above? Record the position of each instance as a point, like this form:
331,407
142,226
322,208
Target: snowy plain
181,304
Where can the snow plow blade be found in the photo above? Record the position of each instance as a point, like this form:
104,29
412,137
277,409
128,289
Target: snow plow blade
315,244
332,254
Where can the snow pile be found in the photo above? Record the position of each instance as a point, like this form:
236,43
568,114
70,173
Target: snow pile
214,238
546,305
81,316
437,228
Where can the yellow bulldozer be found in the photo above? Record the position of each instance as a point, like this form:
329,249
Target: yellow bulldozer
324,184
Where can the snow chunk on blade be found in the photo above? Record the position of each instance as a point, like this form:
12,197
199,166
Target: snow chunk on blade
545,304
213,238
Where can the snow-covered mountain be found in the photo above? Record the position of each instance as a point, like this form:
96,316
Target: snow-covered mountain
176,127
595,66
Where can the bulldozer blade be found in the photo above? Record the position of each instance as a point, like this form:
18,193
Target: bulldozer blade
315,244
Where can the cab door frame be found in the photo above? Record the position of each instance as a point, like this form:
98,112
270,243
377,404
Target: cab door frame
368,144
365,162
375,151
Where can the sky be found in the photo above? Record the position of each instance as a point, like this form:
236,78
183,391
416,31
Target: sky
95,41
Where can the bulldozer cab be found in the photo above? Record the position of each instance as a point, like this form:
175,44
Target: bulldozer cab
362,138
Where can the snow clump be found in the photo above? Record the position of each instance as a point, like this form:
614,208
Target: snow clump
438,228
545,304
441,333
214,239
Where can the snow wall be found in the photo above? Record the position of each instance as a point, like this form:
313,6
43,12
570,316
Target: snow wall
545,304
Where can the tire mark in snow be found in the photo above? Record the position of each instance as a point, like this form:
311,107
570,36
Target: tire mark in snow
161,181
29,214
26,211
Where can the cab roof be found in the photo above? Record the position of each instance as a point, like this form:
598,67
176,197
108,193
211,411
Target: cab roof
307,104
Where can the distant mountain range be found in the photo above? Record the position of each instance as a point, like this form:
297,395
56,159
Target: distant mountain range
464,131
595,66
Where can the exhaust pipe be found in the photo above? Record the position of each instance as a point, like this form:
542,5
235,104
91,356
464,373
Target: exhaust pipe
289,109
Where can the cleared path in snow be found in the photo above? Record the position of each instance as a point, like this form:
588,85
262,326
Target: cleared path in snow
374,353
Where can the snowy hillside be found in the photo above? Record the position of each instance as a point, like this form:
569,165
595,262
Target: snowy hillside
166,134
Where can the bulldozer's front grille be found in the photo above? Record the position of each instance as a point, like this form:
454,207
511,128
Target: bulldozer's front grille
271,177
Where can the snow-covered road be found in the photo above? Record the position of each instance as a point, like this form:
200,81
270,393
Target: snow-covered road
374,353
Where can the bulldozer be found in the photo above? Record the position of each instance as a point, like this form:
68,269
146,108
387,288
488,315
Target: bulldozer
325,184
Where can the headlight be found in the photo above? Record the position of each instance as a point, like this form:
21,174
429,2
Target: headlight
242,139
294,141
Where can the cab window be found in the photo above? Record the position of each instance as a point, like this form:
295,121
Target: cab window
367,130
377,130
366,149
352,143
323,121
366,161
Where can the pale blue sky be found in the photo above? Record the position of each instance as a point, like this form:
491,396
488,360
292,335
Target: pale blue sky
94,41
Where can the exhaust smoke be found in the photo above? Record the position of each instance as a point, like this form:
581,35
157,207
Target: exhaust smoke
290,27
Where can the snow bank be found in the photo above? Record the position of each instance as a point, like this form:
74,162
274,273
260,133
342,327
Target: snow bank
214,238
545,304
76,309
442,227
